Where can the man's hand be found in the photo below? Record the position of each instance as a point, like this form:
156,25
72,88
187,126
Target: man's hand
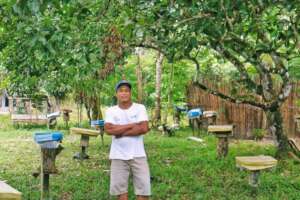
134,129
139,128
116,130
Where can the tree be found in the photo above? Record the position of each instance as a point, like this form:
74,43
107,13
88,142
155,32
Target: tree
262,37
170,94
255,36
60,46
157,110
139,75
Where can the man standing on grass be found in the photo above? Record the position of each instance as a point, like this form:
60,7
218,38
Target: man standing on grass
127,122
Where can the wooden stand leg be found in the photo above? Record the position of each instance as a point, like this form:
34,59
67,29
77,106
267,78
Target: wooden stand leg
66,117
48,161
51,123
47,167
222,147
83,152
194,124
84,143
199,124
211,120
102,139
101,132
48,157
45,194
254,178
214,120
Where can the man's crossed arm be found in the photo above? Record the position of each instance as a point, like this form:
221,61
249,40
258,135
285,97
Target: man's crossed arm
134,129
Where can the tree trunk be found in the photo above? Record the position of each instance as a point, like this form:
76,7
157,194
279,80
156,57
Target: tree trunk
96,108
88,110
57,103
79,114
157,113
275,123
139,78
170,94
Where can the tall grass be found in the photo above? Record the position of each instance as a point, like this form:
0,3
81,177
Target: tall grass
181,169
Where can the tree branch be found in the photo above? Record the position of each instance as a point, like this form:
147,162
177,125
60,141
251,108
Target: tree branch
238,64
194,59
228,20
229,98
148,46
261,67
286,82
199,16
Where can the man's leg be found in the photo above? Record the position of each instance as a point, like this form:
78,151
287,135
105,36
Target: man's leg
123,196
138,197
119,175
141,178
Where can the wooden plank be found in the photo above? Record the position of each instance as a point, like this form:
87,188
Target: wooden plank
32,119
294,144
195,139
84,131
28,117
220,128
209,113
253,163
9,193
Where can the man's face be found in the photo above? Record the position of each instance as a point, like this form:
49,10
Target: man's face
124,94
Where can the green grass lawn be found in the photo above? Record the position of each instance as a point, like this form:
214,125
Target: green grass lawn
181,169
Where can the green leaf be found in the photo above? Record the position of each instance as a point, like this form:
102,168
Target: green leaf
294,67
34,6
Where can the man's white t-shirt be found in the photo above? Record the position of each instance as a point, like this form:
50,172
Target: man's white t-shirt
126,147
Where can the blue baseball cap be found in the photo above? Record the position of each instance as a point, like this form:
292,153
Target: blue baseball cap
121,83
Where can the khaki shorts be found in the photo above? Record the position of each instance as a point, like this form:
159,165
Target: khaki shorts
119,174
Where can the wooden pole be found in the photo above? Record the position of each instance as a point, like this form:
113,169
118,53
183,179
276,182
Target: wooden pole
84,143
47,167
44,178
254,178
101,132
66,117
222,146
45,194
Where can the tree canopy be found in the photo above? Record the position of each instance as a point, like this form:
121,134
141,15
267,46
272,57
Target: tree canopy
63,46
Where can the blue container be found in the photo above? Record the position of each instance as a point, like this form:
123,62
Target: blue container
97,123
194,113
47,137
